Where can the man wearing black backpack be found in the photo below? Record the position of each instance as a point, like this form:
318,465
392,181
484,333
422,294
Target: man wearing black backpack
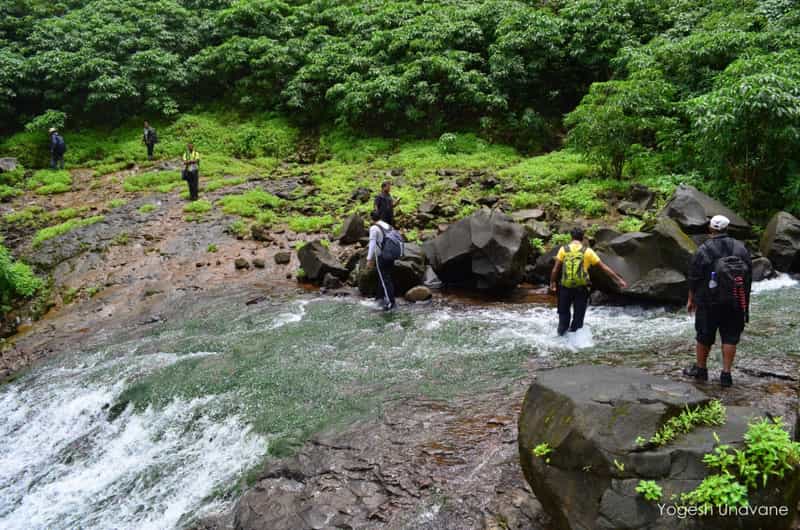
149,139
385,247
720,278
57,149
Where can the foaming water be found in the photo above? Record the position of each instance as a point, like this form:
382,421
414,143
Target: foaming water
64,465
206,394
782,281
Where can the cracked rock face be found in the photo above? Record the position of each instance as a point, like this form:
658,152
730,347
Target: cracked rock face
424,465
591,416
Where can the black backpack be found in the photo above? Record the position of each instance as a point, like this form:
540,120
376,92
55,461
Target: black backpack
153,136
60,146
733,284
392,247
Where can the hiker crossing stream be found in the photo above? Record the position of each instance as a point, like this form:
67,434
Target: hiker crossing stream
158,430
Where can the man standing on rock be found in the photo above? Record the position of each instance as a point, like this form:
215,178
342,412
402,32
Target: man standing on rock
191,170
57,149
385,247
720,277
384,204
572,267
149,139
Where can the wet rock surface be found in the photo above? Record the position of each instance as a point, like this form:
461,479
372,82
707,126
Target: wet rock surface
422,465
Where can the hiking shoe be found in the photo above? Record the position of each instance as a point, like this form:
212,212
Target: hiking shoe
701,374
389,307
725,379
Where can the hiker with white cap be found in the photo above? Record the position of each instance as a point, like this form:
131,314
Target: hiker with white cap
720,277
57,149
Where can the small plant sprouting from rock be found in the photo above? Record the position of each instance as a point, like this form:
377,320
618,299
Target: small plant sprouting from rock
560,239
543,451
619,465
300,274
710,415
537,244
769,452
147,208
212,248
649,490
641,440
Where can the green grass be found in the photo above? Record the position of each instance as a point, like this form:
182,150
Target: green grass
301,223
116,203
60,229
50,182
248,204
220,183
26,217
198,207
162,181
68,213
147,208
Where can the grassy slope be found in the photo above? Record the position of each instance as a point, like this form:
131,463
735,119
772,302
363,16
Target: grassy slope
238,148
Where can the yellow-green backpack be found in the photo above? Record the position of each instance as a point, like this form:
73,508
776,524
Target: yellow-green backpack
572,272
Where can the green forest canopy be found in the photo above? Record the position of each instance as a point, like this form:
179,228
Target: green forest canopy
640,86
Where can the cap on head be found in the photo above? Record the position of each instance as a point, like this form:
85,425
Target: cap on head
52,130
719,223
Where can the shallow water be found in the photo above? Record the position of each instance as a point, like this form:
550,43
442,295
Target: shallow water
207,398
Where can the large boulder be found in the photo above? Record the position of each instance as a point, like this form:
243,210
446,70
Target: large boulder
8,164
408,272
762,269
591,416
692,209
353,230
781,242
317,261
486,250
655,265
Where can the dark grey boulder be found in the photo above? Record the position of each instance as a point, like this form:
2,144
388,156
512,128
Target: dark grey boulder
486,250
283,258
262,233
638,200
654,265
522,216
353,230
317,261
544,266
538,229
781,242
762,269
604,236
692,209
408,272
331,282
241,264
591,415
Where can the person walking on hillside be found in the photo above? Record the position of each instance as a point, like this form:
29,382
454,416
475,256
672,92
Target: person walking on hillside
385,247
57,149
385,204
570,278
720,278
191,170
149,139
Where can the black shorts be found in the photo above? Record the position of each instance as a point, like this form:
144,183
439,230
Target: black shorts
728,321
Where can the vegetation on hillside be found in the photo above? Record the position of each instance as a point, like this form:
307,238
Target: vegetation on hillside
666,87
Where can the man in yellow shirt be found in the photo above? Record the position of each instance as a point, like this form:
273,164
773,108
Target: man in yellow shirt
191,170
572,267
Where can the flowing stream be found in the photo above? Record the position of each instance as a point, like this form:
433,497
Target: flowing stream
153,432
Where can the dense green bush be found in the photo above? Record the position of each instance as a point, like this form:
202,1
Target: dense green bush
648,87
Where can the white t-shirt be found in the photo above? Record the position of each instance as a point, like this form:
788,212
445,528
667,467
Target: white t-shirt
376,238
